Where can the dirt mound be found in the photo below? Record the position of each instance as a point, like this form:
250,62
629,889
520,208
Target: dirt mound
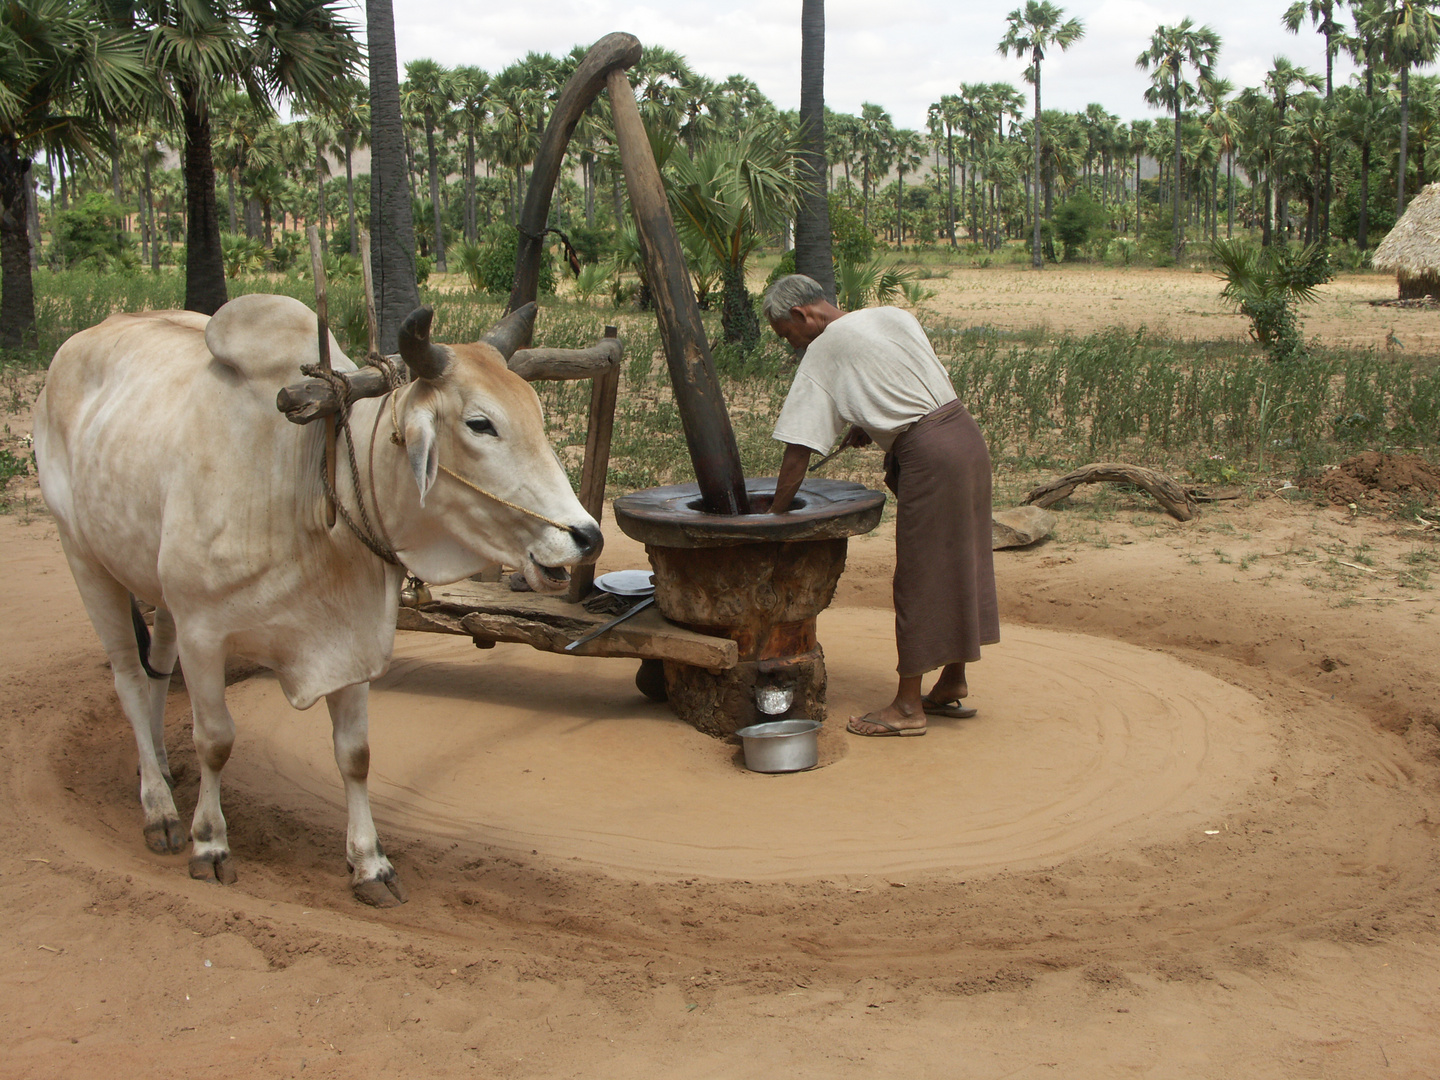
1378,477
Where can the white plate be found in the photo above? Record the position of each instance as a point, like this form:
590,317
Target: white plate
627,582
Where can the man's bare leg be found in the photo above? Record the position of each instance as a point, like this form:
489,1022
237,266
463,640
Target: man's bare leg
951,686
905,713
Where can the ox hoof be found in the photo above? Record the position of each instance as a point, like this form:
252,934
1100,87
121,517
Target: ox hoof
216,868
381,893
165,837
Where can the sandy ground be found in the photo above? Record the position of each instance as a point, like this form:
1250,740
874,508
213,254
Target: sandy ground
1178,303
1191,833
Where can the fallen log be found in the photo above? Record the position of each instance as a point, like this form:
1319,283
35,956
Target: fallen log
1172,496
312,399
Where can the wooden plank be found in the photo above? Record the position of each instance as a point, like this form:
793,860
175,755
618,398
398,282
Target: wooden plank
490,613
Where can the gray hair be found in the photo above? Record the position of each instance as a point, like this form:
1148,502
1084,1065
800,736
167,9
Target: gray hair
791,291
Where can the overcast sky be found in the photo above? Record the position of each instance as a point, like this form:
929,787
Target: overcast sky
899,54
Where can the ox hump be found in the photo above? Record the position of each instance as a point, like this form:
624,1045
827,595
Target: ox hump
266,338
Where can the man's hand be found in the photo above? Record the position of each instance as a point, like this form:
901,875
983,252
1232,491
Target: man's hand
854,439
792,472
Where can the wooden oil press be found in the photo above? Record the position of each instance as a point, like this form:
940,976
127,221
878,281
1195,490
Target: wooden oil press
737,589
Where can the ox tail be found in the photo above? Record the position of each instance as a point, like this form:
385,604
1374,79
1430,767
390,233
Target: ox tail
142,640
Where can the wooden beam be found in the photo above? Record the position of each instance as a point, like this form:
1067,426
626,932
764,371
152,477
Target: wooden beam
312,399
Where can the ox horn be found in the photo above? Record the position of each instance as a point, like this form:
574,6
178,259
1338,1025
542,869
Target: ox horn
513,331
425,359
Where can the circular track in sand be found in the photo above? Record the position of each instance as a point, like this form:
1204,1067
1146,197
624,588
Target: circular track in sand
1079,741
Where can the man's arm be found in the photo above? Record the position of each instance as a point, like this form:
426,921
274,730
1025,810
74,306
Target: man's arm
792,472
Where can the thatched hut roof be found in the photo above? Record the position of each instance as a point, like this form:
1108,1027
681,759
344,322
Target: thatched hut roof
1412,247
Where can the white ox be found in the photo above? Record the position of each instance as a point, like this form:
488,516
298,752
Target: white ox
173,477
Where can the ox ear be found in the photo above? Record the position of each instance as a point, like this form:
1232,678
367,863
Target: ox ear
422,449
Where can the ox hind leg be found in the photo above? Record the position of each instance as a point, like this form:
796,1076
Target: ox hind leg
141,698
372,877
163,651
214,739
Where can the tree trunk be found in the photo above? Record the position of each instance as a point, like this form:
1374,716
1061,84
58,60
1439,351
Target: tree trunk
950,173
17,289
471,232
1230,195
1363,231
32,210
230,200
434,161
115,165
813,256
899,203
1137,196
350,192
392,227
150,210
1179,251
204,259
1329,101
1035,259
1404,138
737,313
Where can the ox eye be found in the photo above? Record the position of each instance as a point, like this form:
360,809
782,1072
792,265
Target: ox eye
482,426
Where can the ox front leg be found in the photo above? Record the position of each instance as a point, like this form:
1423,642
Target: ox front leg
371,876
214,739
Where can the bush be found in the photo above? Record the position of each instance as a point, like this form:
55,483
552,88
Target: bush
784,268
90,233
1075,220
1266,285
852,241
490,264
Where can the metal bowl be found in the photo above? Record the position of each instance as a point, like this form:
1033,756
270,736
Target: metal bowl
781,745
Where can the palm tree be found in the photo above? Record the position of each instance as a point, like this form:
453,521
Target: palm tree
518,102
426,93
1280,80
469,90
1031,31
63,79
1171,48
318,134
301,49
1322,15
874,134
729,196
906,152
1409,34
1218,122
392,224
351,114
943,118
812,216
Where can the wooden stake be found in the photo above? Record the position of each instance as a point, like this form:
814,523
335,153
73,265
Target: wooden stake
322,322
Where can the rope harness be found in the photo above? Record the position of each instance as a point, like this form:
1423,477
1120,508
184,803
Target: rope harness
394,379
375,539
